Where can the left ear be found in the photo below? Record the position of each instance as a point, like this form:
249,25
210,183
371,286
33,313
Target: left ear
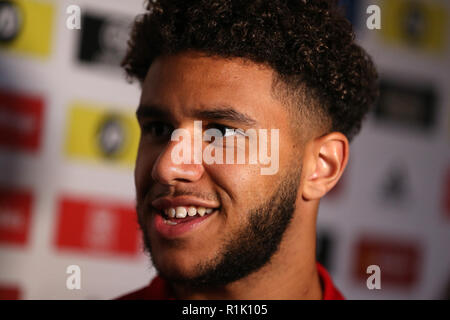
325,159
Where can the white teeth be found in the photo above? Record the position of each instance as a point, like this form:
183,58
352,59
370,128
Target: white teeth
192,211
201,211
171,213
171,223
181,212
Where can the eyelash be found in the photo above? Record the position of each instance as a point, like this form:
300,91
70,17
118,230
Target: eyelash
222,128
155,125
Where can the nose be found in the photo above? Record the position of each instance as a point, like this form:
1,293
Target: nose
169,172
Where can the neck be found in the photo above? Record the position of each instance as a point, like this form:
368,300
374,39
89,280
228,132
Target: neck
291,273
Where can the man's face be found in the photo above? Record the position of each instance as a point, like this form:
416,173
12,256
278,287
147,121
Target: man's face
250,211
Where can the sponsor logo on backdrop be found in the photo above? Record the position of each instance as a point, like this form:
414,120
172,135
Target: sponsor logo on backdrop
9,292
419,24
399,260
15,215
103,39
394,185
410,105
26,26
324,248
98,134
11,21
96,226
21,119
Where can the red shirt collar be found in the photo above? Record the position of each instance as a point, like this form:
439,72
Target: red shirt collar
159,290
329,291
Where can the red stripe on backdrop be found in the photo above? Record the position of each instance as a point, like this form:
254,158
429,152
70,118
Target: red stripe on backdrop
399,260
96,226
21,121
9,293
15,215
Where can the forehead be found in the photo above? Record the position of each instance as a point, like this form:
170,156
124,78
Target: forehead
191,81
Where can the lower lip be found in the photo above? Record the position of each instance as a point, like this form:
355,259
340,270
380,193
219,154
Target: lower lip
173,231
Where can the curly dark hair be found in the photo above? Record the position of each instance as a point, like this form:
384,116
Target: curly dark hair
309,43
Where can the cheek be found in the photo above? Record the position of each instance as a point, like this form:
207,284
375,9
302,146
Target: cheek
242,186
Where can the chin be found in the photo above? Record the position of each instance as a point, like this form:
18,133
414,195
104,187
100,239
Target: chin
176,263
171,268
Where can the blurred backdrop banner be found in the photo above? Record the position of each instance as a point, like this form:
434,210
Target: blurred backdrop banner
69,137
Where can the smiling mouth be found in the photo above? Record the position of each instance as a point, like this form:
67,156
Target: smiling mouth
182,214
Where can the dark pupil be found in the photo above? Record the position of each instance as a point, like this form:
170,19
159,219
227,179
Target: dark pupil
222,129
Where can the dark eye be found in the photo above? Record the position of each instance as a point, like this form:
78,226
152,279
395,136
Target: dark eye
157,129
224,130
227,131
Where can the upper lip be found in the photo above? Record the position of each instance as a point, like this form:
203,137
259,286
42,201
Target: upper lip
168,202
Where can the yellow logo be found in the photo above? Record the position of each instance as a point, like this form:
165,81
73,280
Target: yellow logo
98,134
26,26
419,24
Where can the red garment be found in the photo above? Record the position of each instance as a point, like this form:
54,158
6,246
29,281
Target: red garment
158,289
329,291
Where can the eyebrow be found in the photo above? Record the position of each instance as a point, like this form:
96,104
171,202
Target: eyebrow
151,111
225,113
220,113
